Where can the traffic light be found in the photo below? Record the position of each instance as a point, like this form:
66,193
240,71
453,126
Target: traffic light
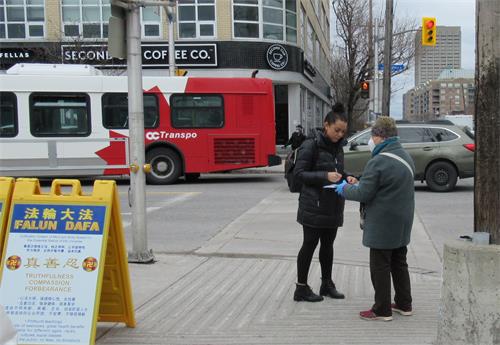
365,89
429,31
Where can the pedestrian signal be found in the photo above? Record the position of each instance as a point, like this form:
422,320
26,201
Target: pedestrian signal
429,31
365,89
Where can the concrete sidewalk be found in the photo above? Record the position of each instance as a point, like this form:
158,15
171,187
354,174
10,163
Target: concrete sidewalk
238,288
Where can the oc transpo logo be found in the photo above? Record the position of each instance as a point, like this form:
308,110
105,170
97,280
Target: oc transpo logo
170,135
277,56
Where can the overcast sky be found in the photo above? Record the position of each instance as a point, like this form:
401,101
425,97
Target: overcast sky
448,13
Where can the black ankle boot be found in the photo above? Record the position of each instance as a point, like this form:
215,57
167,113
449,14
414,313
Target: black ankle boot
304,293
328,289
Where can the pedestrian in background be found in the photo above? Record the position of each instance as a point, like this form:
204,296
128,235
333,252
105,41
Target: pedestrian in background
297,138
387,190
320,162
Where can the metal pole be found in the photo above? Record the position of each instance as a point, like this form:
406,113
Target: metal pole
171,40
375,70
140,252
370,50
386,90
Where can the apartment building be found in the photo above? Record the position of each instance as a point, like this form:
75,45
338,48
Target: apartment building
431,61
453,92
287,41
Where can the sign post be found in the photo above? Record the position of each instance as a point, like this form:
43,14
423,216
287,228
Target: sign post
59,249
6,188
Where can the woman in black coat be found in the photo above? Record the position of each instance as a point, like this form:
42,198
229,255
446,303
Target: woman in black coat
320,162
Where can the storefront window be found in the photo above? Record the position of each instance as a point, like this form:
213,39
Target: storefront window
196,19
303,105
318,117
20,19
265,19
88,19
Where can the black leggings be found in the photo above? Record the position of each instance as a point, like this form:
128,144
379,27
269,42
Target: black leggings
311,238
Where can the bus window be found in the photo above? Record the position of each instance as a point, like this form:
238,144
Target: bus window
8,115
196,111
65,115
115,111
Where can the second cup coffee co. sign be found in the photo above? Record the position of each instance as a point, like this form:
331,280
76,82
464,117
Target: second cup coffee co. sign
153,55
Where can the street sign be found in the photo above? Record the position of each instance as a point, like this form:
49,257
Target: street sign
394,68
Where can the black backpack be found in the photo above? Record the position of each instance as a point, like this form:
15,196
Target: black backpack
294,185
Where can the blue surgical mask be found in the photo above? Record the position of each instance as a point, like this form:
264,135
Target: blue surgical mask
371,144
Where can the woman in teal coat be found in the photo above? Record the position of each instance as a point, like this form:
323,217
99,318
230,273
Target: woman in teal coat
387,190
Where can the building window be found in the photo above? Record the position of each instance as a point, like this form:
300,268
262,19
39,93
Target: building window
291,21
246,18
151,20
88,19
272,13
21,19
316,52
265,19
303,29
309,49
85,19
196,19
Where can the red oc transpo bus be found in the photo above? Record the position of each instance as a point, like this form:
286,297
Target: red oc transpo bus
70,120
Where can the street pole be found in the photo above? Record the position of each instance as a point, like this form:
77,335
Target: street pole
487,154
386,90
170,9
140,252
370,52
469,294
375,70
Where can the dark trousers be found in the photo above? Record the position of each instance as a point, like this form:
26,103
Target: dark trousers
311,238
383,264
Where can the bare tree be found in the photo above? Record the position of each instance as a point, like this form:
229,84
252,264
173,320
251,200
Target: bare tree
351,58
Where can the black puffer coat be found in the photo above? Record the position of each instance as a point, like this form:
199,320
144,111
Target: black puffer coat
319,207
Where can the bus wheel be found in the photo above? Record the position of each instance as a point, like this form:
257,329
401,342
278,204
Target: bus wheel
191,177
165,166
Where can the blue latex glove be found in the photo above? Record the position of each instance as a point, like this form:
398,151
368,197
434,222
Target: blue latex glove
340,188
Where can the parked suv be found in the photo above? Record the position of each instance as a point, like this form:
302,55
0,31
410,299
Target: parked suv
442,152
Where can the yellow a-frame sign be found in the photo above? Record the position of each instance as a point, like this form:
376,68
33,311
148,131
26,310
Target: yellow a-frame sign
64,264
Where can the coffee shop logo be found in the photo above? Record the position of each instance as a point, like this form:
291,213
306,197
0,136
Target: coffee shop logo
277,57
